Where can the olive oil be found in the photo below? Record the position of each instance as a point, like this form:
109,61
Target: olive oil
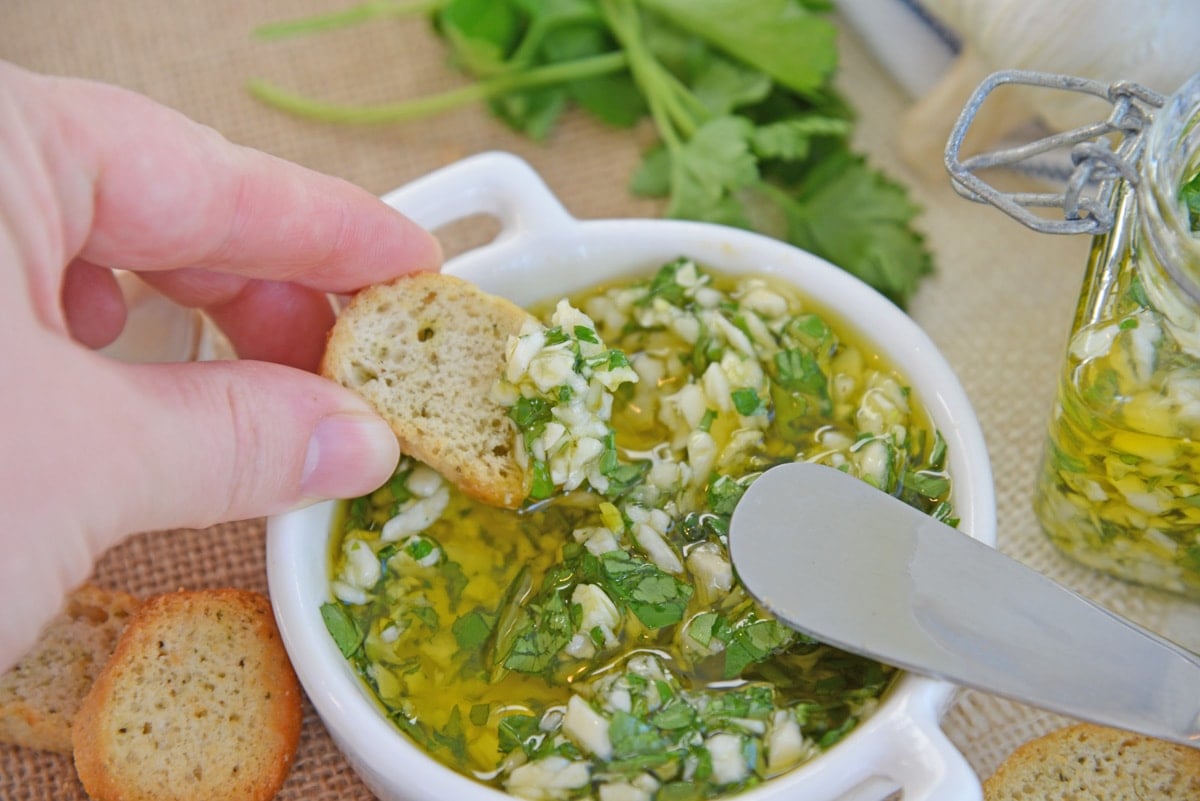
474,634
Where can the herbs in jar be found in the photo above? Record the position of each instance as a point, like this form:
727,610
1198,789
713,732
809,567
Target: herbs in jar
1120,481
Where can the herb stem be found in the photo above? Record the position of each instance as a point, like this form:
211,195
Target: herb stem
349,16
443,101
542,26
625,22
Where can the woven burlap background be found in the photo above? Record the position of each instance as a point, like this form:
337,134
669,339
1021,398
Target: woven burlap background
999,305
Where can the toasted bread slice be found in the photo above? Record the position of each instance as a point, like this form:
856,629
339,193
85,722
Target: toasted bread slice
425,351
1086,762
40,694
198,702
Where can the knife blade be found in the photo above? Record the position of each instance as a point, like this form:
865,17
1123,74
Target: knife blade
835,558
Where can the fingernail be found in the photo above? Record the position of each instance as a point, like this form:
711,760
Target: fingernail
349,454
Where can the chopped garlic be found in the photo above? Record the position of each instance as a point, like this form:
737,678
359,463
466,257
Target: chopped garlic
785,742
416,515
712,571
549,779
728,763
657,548
361,568
587,728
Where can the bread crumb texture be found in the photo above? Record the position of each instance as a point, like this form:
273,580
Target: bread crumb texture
40,695
425,351
199,701
1086,762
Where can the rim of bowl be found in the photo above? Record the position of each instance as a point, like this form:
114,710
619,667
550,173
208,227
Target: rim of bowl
521,268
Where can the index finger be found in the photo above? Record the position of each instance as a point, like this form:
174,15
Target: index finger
163,192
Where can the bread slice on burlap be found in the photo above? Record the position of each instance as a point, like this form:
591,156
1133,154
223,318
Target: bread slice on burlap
198,702
1086,762
425,351
40,694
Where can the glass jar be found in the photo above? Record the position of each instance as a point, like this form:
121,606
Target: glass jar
1119,488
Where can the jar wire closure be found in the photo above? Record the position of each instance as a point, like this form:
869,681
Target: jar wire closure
1098,165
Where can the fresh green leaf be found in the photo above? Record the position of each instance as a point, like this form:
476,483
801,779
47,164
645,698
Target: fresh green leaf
482,33
652,178
533,112
710,169
723,494
859,220
479,714
674,716
753,133
790,139
453,735
509,618
707,626
655,597
754,642
472,630
419,548
724,86
780,37
519,731
665,285
531,414
342,628
542,631
747,402
543,484
632,736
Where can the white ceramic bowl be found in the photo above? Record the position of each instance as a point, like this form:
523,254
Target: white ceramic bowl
542,252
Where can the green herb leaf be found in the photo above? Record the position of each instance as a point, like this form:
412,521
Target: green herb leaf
472,630
542,632
657,598
482,33
754,642
723,494
342,628
859,220
780,37
753,134
747,402
791,138
530,415
710,169
543,484
519,731
631,736
479,714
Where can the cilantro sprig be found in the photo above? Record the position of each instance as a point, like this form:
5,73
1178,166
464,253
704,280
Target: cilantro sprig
751,130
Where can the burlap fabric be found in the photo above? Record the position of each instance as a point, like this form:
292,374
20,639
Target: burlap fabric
999,306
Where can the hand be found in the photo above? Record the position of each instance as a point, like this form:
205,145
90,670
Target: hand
94,178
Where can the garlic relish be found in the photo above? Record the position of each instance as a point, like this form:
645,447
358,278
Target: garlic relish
1120,481
597,643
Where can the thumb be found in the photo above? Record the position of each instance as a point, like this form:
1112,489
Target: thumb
229,440
96,450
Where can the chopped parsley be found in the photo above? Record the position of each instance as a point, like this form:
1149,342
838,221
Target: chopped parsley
624,595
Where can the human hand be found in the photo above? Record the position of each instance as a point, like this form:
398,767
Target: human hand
94,178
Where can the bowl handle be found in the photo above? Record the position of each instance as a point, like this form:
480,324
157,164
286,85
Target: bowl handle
495,183
921,759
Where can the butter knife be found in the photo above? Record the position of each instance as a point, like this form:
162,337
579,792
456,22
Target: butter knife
836,558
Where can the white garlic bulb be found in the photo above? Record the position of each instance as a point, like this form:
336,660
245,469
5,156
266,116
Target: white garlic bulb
1152,42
